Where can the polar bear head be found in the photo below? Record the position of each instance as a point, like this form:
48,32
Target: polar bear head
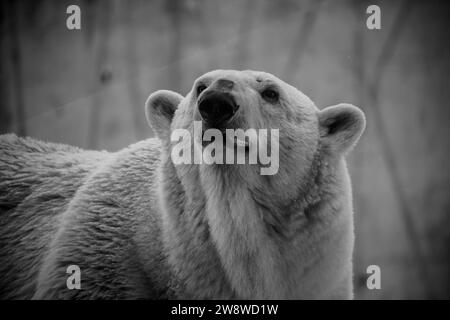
262,213
274,124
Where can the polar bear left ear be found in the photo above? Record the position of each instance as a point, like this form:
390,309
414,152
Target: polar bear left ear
340,127
160,109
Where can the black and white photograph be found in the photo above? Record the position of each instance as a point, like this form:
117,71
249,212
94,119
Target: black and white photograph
241,150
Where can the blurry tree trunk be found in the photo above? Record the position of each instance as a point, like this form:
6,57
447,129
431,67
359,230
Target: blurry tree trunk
13,8
375,114
300,44
103,75
134,92
5,115
175,12
245,29
359,76
206,19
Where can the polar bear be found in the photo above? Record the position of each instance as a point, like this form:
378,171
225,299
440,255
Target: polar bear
139,226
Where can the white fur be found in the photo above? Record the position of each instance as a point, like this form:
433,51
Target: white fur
140,227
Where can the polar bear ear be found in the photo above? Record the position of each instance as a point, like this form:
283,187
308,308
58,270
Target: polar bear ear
340,127
160,109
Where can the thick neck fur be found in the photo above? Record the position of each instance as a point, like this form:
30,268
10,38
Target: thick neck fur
226,240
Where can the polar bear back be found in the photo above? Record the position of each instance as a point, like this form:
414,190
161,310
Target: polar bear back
62,205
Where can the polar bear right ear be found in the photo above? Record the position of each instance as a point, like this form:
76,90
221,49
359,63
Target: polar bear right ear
160,109
340,127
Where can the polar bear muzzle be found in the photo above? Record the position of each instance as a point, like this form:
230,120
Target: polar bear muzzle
216,108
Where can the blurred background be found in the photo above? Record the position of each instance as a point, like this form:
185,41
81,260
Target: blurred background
87,88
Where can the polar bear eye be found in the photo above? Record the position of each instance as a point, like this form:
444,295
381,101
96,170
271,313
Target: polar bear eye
270,95
200,89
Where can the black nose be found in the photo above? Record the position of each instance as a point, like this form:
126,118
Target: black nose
217,107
